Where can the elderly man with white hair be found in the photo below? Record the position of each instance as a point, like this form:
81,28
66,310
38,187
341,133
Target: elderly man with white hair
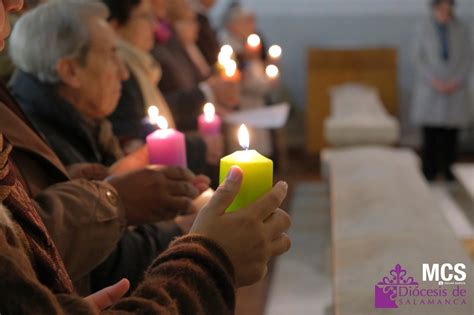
68,82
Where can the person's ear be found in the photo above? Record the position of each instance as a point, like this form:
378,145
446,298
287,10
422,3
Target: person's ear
67,70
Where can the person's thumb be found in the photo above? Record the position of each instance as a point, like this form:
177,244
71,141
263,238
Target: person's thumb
109,296
225,194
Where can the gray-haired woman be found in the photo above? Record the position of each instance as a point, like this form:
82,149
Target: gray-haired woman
443,59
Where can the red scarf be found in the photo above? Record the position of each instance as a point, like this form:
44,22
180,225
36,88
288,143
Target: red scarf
47,262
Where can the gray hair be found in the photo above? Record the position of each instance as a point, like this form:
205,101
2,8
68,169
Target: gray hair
53,31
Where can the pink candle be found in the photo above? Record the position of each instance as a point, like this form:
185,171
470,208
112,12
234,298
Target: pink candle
209,123
166,146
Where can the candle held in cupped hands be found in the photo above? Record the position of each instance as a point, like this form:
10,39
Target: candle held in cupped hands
165,146
209,123
257,172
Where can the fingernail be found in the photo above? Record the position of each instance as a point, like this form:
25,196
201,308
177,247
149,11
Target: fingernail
284,185
234,174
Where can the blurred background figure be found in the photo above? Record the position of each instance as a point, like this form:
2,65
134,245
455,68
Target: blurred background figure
67,95
68,99
135,24
240,26
443,60
207,39
6,65
188,81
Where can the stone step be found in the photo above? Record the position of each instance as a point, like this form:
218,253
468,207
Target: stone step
453,213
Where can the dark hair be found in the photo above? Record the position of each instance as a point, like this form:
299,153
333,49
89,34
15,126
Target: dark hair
435,3
120,10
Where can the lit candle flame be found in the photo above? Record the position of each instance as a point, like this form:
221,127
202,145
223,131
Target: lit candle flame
225,55
153,114
244,138
162,123
223,58
272,71
230,68
253,40
209,112
275,51
227,50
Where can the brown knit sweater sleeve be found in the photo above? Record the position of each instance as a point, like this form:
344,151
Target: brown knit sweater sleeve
194,276
20,290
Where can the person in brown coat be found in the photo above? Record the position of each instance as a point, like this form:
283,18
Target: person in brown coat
69,107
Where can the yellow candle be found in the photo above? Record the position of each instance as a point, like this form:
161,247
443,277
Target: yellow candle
257,172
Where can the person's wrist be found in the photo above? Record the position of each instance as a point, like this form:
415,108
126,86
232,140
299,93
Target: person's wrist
213,247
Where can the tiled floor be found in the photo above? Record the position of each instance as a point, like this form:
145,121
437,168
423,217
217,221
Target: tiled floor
457,208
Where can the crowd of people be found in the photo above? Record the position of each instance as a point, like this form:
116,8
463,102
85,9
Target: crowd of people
86,224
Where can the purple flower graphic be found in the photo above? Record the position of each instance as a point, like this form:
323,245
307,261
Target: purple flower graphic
386,289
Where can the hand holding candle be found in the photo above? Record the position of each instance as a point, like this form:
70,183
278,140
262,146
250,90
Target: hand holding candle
257,172
166,146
